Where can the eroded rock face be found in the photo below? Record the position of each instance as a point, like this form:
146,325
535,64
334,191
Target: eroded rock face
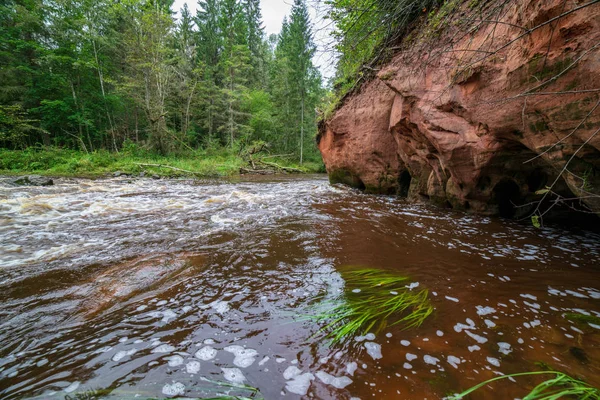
457,125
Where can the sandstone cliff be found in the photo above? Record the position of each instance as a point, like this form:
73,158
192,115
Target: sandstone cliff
481,116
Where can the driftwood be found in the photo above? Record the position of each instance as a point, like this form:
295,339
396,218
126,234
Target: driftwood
256,164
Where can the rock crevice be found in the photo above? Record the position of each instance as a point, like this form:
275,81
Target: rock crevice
480,133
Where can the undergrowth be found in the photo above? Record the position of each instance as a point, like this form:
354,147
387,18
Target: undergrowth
62,162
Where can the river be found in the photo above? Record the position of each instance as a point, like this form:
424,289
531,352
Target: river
159,288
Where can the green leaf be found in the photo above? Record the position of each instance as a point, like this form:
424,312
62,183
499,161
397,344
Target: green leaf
535,220
542,191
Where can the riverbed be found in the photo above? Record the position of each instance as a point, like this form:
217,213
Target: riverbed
139,288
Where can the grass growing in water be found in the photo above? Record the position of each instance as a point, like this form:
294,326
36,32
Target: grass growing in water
559,387
374,300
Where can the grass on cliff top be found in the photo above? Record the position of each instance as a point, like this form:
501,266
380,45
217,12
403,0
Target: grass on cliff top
373,300
560,386
72,163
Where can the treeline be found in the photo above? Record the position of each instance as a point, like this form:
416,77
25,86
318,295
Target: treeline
102,74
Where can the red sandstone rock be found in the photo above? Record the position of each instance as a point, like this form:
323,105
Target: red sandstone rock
451,123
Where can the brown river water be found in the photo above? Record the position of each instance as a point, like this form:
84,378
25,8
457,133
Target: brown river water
170,288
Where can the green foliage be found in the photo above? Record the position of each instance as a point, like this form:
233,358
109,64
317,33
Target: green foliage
364,28
15,126
558,387
373,300
583,319
103,75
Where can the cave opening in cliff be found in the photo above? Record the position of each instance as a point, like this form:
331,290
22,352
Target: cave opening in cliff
404,183
508,197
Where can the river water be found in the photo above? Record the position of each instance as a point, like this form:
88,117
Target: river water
155,289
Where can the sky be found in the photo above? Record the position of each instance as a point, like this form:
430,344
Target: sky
273,12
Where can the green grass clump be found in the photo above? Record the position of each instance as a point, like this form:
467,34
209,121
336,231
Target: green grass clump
373,300
583,319
559,387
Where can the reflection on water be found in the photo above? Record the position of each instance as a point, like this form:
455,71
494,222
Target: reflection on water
159,289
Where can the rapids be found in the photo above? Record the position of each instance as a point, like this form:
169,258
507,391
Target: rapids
139,288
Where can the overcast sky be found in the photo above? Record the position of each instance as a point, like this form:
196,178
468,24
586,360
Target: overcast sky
273,12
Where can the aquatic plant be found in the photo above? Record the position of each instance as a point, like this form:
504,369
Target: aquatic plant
559,387
583,319
373,300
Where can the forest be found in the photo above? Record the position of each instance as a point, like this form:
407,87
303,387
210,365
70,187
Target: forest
106,75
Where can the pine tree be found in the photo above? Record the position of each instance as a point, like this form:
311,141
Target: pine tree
235,68
256,42
209,49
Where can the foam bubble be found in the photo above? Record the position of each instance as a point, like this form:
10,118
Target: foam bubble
174,361
337,382
163,348
233,375
192,367
206,353
351,367
174,389
243,357
374,350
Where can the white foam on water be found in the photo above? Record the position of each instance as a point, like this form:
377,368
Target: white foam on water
279,360
460,326
595,326
355,290
489,324
529,296
233,375
474,348
122,354
337,382
161,303
481,310
192,367
300,384
532,305
439,333
243,357
454,361
374,350
405,343
351,368
174,389
206,353
174,361
430,360
104,349
209,341
493,361
412,285
410,357
291,372
576,294
454,299
520,341
221,307
166,315
72,387
407,366
163,348
263,361
477,338
388,335
504,348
